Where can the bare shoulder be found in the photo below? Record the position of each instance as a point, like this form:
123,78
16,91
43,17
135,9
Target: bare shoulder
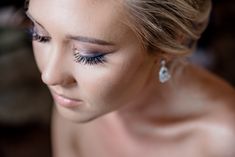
218,97
218,135
209,82
63,136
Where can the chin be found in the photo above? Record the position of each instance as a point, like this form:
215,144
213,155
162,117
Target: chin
78,116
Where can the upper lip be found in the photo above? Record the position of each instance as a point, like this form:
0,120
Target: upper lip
66,97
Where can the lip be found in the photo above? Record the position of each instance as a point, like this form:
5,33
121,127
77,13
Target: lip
65,101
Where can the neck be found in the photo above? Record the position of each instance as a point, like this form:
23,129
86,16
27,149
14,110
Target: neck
161,104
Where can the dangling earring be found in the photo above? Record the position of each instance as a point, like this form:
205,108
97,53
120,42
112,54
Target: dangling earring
164,74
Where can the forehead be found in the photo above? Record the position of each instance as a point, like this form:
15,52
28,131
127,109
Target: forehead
97,18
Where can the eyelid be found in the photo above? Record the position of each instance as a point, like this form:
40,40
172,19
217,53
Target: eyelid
38,35
91,50
88,53
37,26
89,60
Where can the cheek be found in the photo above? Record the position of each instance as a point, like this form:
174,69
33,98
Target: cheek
39,56
113,85
97,85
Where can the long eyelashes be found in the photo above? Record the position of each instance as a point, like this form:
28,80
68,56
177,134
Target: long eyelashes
34,35
40,38
98,58
90,60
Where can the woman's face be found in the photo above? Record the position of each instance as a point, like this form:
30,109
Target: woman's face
89,58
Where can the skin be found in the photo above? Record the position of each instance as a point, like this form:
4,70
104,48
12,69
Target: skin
122,96
103,87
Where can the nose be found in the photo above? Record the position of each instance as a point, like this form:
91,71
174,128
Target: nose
57,71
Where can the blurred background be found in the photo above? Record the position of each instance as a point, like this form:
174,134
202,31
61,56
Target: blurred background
25,103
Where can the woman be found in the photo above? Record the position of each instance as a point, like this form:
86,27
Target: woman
115,69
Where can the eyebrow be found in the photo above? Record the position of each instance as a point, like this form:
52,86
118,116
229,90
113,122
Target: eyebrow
77,38
90,40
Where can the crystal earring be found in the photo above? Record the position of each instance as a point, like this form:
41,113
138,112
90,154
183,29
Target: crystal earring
164,74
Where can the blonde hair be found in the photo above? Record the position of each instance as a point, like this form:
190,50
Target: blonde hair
171,26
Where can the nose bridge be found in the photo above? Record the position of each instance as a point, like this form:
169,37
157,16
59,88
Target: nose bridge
55,71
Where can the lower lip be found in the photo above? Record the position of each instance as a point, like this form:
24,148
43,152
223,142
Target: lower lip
65,102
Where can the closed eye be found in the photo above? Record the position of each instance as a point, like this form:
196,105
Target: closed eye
35,36
33,31
89,59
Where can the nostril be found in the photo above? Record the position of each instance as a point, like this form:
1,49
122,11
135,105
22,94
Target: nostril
69,81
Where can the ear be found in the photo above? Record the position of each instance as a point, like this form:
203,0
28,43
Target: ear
161,55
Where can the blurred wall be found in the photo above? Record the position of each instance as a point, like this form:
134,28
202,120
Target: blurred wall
25,103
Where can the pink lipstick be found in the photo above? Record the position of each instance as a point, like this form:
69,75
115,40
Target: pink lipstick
65,101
